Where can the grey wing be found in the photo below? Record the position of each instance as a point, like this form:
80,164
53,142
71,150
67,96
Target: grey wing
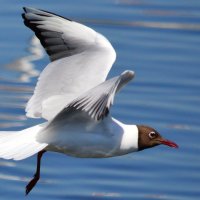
97,101
81,59
50,29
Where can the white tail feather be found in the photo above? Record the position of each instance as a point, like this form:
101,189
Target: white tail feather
21,144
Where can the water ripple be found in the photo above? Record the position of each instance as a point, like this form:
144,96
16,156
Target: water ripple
160,41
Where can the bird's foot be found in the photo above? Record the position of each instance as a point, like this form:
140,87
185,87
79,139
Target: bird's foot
31,184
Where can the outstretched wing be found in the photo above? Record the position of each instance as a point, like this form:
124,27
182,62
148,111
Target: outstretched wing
97,101
81,59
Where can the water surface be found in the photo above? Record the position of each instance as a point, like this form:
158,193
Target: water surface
160,41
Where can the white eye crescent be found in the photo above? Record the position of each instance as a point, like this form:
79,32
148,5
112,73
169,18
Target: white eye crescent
152,134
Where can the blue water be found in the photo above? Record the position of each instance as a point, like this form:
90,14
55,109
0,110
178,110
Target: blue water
160,41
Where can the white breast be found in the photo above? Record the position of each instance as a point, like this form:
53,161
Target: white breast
107,138
129,139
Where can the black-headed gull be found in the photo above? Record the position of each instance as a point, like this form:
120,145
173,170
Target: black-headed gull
73,95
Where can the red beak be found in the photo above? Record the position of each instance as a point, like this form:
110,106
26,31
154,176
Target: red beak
169,143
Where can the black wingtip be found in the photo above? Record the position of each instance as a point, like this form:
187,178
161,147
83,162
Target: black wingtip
24,8
23,15
56,15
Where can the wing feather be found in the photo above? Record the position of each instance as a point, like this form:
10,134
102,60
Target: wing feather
97,101
81,59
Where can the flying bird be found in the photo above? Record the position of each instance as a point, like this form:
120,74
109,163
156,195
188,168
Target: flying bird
74,97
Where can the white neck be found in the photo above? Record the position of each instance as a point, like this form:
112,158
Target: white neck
129,140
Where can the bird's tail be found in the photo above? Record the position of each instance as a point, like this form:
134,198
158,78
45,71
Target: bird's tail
18,145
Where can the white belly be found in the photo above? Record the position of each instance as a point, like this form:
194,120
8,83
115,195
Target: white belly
104,139
84,145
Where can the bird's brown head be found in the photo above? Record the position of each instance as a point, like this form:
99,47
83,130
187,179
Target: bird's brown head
149,137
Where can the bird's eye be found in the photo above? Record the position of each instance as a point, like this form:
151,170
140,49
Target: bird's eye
152,134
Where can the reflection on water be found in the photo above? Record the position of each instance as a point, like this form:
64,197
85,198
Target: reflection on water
12,178
159,25
5,125
105,194
25,65
7,163
12,117
13,92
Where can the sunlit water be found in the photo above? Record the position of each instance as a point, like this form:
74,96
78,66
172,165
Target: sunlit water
160,41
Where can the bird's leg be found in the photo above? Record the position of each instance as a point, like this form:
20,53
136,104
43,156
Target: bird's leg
36,177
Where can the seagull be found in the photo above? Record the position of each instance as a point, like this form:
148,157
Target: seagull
74,97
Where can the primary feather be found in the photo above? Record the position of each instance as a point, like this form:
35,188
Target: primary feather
81,59
97,101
